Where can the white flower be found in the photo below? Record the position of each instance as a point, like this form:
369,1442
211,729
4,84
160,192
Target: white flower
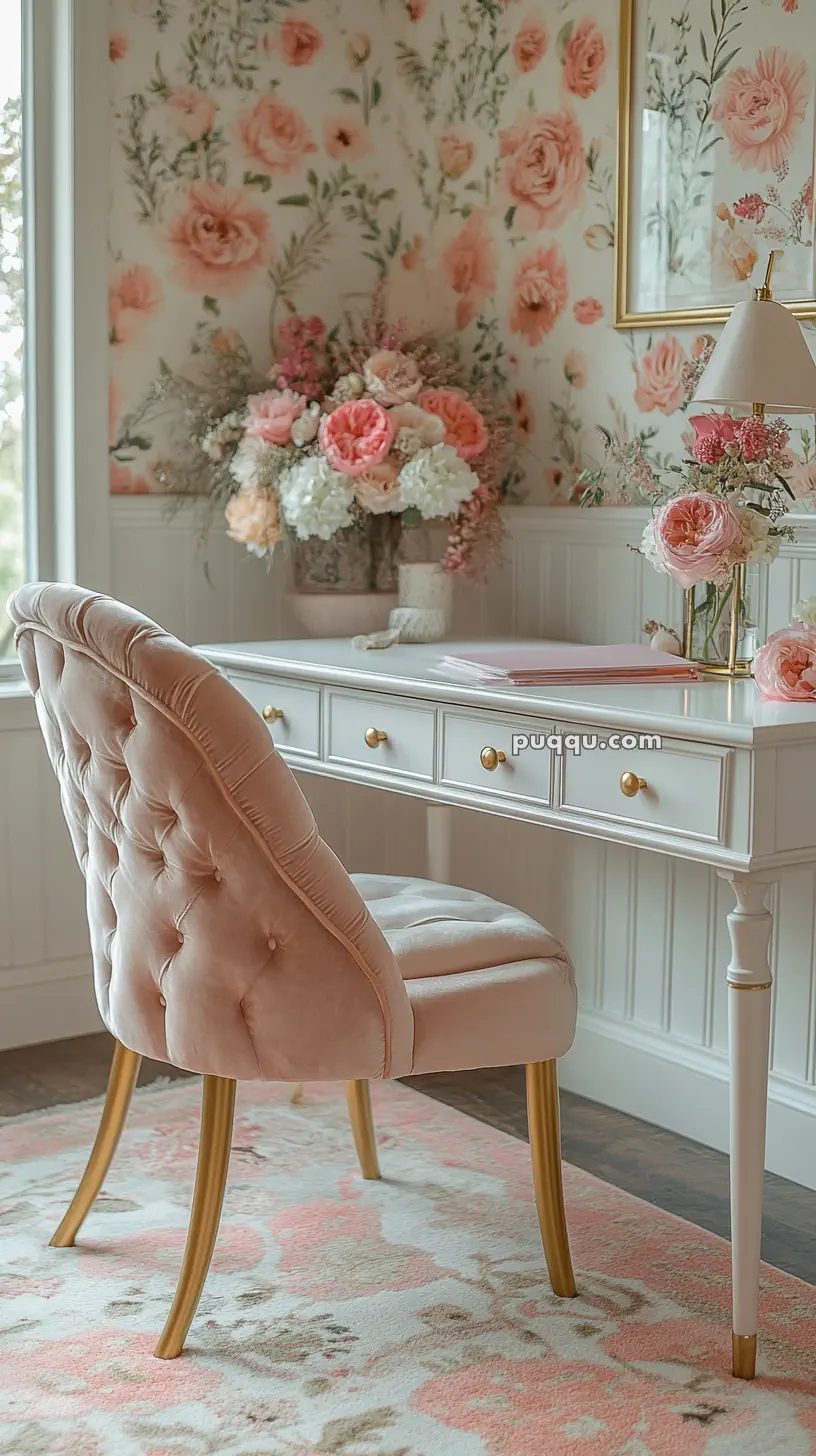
306,425
315,499
758,543
436,481
257,463
648,546
806,612
416,429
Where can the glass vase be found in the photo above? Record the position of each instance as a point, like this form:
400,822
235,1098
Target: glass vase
361,558
719,628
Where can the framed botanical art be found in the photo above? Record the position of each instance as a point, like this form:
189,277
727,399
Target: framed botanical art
715,157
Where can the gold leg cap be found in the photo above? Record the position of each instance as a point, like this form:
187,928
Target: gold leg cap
744,1351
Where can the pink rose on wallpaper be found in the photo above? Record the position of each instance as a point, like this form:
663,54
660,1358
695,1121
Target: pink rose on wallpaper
789,6
356,436
465,428
584,59
540,292
660,377
300,41
695,536
470,264
219,239
785,667
761,111
456,153
346,137
272,415
118,47
275,136
576,369
587,311
544,168
711,435
530,45
416,8
134,295
195,111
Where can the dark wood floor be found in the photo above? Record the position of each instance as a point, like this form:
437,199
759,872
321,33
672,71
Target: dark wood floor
658,1166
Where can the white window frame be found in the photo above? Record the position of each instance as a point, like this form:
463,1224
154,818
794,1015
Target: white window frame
66,185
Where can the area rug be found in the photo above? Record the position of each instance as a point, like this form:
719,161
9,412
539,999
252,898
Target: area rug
411,1317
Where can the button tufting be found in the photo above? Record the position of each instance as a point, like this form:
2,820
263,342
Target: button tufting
181,937
217,876
162,1001
272,943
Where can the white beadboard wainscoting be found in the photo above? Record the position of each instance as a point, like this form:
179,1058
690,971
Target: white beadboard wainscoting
648,935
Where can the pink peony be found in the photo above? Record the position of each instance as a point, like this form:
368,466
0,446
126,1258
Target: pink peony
711,435
695,536
584,59
392,377
761,111
540,292
465,428
219,239
587,310
134,295
660,377
376,489
785,668
356,436
530,45
272,415
253,518
118,47
544,168
470,266
275,136
300,41
194,111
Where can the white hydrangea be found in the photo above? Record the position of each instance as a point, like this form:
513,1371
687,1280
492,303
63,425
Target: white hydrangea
648,546
256,463
315,499
806,612
759,544
436,482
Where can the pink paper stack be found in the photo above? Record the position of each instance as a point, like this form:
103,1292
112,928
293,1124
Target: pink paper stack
569,664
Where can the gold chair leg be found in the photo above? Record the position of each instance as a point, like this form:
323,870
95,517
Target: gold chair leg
545,1146
358,1098
217,1110
121,1082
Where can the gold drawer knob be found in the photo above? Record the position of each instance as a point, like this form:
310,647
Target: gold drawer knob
375,736
270,714
631,785
490,758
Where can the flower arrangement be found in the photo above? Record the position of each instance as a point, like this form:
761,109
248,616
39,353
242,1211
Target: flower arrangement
353,428
785,667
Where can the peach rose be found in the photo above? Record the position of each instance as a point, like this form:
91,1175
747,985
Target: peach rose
470,261
346,137
272,415
530,45
694,537
376,490
576,369
392,377
253,518
456,153
785,668
356,436
219,240
195,111
300,41
660,377
587,311
225,342
584,59
761,111
465,428
734,255
275,136
134,295
118,47
418,428
540,292
544,168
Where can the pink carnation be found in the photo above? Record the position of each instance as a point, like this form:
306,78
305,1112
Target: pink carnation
785,668
694,537
356,436
465,428
754,438
272,415
711,435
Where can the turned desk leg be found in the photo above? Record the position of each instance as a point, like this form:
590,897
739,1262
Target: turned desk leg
749,1023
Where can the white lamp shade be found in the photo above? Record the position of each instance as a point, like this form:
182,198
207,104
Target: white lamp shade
761,358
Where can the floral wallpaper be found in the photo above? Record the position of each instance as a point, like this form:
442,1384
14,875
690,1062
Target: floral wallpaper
274,157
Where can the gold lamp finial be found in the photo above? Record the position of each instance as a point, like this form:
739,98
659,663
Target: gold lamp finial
764,293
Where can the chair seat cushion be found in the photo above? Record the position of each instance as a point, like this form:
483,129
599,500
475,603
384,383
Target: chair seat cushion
488,985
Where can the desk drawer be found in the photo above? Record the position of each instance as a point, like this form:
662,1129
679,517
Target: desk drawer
526,775
298,731
685,788
408,745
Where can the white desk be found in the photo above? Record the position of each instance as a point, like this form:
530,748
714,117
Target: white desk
733,785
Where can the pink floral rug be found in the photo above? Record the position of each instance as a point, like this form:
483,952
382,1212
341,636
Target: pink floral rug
410,1317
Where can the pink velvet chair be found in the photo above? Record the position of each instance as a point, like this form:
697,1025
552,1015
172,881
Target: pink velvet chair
227,939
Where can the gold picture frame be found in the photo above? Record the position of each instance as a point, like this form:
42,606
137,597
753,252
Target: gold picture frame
625,315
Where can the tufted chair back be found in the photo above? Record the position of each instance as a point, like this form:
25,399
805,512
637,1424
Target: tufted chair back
226,936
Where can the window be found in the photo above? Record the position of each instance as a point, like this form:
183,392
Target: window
15,552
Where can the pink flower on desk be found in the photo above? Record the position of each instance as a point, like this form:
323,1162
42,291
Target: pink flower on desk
711,435
356,436
785,668
695,538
